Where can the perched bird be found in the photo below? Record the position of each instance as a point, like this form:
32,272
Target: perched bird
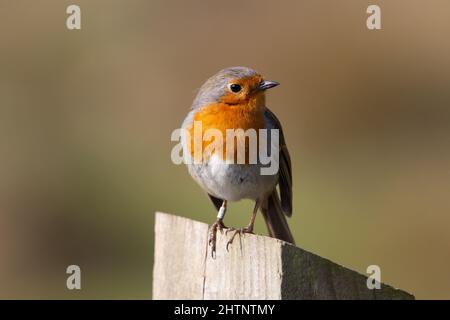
234,98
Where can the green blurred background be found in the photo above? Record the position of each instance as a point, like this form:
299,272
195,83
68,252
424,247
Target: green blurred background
86,118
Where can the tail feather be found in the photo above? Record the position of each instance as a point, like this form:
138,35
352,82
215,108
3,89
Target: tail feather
275,219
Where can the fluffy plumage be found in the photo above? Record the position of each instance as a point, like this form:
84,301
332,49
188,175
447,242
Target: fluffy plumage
218,107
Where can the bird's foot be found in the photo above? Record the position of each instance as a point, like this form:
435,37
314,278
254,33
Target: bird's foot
240,232
218,225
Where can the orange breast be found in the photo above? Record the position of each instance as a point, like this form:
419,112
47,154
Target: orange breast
222,116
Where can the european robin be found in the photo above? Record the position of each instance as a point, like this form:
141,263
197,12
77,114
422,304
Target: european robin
234,98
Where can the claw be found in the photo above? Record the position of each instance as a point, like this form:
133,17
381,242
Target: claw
240,231
213,235
229,230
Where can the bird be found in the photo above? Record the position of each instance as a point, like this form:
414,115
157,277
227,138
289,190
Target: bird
234,98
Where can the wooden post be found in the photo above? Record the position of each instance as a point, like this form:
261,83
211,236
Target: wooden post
255,267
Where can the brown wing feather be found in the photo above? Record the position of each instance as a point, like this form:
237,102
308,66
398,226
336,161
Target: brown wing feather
216,201
285,173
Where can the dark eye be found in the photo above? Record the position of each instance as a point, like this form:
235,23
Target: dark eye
235,87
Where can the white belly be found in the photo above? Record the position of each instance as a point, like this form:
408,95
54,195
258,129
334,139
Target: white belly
232,182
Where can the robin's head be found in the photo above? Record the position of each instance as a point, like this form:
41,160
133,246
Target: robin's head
233,86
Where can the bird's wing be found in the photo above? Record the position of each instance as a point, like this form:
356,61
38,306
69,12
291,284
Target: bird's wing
216,201
285,171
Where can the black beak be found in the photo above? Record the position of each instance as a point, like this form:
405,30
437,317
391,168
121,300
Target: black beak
267,85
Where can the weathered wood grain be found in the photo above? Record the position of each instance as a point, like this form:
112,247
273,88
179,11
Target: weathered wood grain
255,267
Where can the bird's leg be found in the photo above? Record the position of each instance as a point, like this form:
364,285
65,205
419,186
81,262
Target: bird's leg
218,225
247,229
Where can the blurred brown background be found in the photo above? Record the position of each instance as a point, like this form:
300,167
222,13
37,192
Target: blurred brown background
86,118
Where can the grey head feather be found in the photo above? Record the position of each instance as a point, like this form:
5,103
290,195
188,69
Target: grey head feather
216,86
